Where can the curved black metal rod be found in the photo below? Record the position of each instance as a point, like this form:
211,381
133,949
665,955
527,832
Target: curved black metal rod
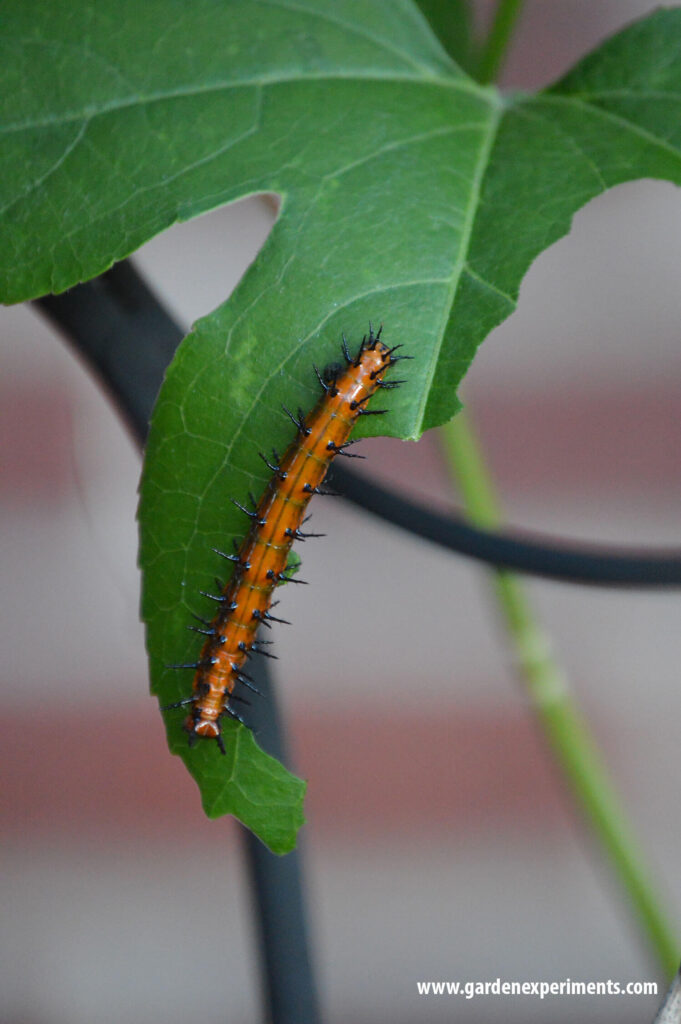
121,330
101,312
123,333
553,560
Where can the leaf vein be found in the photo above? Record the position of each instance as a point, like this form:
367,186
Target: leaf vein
488,284
34,185
352,30
608,115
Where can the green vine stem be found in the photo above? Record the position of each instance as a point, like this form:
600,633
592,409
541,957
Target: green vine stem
565,731
493,51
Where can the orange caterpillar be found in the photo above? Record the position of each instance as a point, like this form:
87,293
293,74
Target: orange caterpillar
261,559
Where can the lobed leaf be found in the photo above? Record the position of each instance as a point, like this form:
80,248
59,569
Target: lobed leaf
409,195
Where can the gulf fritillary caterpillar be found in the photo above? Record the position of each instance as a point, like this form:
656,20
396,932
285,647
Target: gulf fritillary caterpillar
261,560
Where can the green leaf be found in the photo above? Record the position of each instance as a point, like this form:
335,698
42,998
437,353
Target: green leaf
410,195
249,784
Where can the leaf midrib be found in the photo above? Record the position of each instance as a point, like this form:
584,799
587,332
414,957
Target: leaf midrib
459,263
90,112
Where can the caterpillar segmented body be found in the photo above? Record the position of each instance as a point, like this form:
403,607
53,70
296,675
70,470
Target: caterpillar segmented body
261,559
